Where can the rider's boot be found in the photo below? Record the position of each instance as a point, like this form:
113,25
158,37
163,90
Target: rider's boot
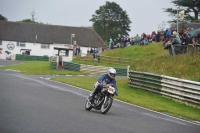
92,95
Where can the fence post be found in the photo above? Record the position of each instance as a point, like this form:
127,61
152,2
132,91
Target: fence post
173,52
128,67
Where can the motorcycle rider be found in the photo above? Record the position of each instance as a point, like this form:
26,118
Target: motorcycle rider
107,79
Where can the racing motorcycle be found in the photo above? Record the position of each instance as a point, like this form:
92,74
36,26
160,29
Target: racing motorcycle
102,101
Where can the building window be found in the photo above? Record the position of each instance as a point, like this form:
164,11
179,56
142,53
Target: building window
45,46
21,44
0,42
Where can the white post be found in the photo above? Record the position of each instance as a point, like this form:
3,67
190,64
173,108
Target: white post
177,20
57,60
128,67
72,35
71,40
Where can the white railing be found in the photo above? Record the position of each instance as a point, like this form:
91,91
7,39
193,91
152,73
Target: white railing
183,90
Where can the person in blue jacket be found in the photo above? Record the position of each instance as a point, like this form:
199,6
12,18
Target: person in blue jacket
105,79
168,34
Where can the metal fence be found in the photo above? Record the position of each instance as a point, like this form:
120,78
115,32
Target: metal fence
108,59
193,49
175,88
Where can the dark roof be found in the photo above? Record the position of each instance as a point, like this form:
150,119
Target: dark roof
49,34
193,25
188,25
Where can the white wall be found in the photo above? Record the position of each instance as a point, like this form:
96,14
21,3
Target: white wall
3,56
35,49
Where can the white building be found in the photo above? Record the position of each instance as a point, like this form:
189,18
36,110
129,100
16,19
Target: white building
45,40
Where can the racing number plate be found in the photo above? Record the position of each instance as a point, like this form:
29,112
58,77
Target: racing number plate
111,89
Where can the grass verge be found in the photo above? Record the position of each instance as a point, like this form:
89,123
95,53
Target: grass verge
39,68
141,98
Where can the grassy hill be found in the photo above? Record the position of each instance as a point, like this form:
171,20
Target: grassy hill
154,58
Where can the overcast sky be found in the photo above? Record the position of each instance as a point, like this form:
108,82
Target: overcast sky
145,15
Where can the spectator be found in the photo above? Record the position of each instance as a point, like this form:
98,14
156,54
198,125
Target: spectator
97,54
104,47
173,41
89,50
143,36
169,33
137,39
169,40
165,44
78,50
132,41
153,36
158,36
111,44
165,33
194,41
174,29
146,41
118,45
184,39
177,36
128,40
115,43
189,39
184,43
125,41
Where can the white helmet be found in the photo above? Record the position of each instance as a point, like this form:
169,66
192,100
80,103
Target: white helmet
112,73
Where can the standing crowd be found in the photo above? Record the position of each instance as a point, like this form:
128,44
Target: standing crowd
143,39
170,37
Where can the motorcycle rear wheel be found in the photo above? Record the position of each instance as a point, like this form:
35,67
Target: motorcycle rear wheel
106,106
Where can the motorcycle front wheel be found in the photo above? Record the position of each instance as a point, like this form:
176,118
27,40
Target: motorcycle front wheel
88,106
106,105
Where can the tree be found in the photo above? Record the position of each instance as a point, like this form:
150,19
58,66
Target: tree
30,20
191,8
162,26
3,18
27,21
33,15
110,20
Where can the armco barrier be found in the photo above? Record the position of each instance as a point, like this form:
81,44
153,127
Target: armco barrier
71,66
175,88
121,71
53,65
31,58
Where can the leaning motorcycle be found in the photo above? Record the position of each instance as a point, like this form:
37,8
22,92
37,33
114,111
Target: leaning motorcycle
103,100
